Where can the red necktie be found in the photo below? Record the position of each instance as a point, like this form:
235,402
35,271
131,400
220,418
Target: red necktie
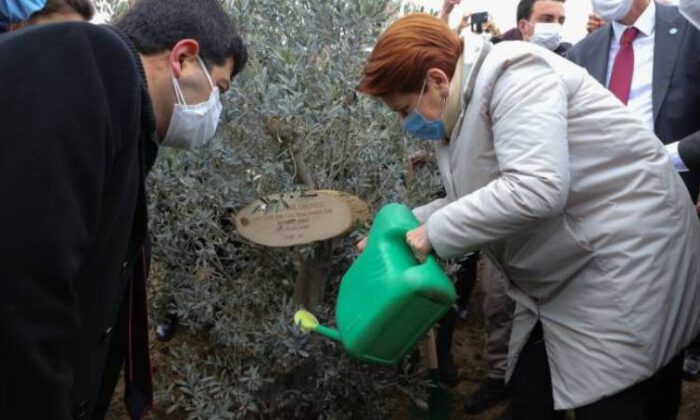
621,77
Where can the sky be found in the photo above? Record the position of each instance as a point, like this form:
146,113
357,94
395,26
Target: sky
503,12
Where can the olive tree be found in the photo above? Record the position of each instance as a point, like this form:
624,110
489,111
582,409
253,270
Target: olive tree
292,121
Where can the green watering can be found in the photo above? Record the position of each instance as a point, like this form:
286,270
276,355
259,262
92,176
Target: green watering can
387,301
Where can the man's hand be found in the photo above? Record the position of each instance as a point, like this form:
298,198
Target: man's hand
418,240
594,22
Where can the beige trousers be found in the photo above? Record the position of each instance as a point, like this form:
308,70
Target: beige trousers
498,319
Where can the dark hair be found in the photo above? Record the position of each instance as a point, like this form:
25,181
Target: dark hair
82,7
525,8
157,25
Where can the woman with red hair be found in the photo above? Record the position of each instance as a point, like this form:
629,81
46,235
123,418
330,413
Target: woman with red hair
571,197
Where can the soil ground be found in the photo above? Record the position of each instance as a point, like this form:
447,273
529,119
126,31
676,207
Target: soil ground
468,353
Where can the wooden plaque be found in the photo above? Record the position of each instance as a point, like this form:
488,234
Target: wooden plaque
281,220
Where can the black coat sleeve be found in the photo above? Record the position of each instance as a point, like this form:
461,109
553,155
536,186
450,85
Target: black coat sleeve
56,145
689,151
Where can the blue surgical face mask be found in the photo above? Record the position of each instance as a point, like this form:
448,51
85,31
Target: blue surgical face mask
418,126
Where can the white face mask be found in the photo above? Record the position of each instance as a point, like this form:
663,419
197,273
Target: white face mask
547,35
193,125
691,10
612,10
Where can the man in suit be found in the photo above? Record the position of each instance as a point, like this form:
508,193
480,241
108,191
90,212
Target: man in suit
84,110
652,64
688,149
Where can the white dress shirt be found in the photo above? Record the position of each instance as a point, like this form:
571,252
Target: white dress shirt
640,102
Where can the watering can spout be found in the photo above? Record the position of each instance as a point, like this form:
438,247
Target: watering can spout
331,333
308,323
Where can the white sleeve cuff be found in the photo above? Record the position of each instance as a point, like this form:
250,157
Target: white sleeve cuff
672,150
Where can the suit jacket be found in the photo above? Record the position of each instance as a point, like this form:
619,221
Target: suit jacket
571,196
676,80
75,147
689,150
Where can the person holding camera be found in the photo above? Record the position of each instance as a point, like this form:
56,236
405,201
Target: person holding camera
480,23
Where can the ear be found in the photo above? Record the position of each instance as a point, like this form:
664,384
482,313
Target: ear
184,49
438,79
522,27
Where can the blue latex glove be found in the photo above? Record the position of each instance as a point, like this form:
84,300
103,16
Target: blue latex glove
15,11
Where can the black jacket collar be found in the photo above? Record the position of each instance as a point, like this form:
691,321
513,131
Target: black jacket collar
148,120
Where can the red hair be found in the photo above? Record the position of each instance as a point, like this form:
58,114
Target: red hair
406,51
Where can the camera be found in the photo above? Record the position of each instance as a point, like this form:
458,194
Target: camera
477,21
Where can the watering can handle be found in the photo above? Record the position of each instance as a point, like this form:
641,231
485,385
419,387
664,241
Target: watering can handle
400,232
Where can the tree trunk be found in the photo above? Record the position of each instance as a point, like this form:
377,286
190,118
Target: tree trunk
314,271
313,276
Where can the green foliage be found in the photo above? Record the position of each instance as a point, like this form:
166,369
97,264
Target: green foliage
110,8
306,57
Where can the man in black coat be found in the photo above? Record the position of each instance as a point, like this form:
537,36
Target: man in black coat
83,110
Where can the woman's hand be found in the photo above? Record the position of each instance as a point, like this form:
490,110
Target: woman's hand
449,5
418,240
464,23
361,244
447,8
491,28
594,22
